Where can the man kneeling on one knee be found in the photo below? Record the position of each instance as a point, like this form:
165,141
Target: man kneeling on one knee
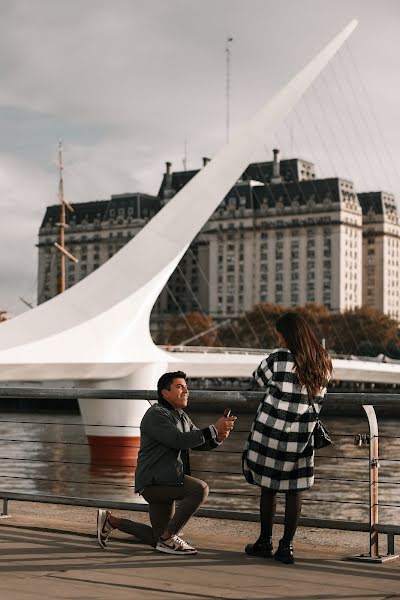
163,469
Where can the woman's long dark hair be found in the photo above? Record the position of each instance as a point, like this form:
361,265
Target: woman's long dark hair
313,365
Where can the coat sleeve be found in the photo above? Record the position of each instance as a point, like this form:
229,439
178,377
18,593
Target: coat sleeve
209,444
160,426
265,371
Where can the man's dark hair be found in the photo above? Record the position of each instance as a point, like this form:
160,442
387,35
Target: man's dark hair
164,383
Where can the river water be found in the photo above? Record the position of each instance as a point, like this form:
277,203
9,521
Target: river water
49,454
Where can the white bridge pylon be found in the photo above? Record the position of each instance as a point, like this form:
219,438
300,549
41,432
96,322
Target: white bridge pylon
98,331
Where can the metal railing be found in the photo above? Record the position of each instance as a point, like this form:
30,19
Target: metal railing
379,358
216,400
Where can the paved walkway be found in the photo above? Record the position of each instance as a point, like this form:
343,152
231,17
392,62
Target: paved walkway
42,557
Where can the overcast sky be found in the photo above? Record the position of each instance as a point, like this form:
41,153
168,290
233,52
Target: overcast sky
124,83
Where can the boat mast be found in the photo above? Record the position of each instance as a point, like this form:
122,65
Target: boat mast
62,224
229,39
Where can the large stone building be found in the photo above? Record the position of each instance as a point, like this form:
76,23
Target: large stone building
381,236
96,231
280,236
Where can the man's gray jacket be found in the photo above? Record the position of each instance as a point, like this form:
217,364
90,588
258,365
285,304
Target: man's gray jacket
164,434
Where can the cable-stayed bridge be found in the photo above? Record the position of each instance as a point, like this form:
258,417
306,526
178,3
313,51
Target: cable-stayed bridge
97,332
239,362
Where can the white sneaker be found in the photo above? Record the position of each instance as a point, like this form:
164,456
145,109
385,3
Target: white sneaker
103,527
175,545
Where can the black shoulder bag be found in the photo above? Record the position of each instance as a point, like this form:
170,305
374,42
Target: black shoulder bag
321,434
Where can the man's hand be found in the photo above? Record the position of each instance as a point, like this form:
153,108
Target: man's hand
224,426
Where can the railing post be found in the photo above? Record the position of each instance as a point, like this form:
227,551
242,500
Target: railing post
373,480
4,514
373,555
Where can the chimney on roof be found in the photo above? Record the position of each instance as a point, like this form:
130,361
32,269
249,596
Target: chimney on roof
276,175
167,192
205,160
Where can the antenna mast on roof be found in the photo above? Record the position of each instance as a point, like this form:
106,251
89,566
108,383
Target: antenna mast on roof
62,224
229,39
184,160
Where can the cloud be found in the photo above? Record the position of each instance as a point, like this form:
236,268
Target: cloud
24,192
125,83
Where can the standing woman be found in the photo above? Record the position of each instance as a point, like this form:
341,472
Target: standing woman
279,453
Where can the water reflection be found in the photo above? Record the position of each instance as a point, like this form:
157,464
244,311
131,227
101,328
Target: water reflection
50,455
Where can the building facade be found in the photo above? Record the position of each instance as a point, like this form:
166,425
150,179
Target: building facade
381,237
280,236
95,231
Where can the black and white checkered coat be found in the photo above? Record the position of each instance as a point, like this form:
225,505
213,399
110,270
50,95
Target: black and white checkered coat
279,452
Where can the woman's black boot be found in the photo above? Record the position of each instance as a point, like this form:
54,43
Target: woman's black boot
262,547
285,553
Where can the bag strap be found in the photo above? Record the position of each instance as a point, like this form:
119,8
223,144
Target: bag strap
311,402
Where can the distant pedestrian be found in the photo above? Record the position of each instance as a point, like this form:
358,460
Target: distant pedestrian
279,452
163,469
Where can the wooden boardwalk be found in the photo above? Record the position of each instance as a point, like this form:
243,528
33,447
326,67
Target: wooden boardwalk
55,555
